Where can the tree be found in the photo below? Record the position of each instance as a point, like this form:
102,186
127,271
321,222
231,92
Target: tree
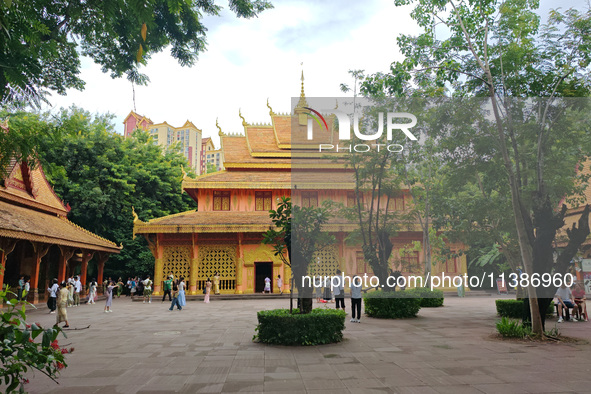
102,175
488,44
211,168
41,40
296,238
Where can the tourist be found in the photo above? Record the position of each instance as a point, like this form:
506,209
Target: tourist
280,284
128,286
580,301
181,296
216,283
92,291
77,289
27,288
327,294
565,297
133,288
167,289
207,290
51,300
175,296
148,290
356,299
20,287
109,300
267,289
140,287
70,291
119,287
62,303
339,292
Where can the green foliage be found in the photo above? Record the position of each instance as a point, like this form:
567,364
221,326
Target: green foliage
512,328
24,347
429,298
298,233
514,308
392,305
102,175
41,40
320,326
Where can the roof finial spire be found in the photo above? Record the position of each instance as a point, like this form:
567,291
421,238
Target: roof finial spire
242,117
302,103
220,132
270,109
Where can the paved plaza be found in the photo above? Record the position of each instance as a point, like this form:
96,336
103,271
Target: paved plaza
208,348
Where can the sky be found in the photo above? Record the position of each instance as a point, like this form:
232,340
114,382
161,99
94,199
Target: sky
251,60
248,61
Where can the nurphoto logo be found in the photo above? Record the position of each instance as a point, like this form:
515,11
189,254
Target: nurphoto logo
345,130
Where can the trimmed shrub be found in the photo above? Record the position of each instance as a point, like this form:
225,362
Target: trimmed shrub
318,327
514,308
429,298
392,305
512,328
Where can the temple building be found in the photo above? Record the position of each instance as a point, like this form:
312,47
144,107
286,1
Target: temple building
225,233
36,238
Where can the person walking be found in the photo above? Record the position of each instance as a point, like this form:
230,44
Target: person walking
92,291
133,288
267,285
280,284
71,291
109,300
148,290
181,296
51,300
27,288
167,289
62,303
77,289
356,299
216,283
20,287
175,296
339,292
207,291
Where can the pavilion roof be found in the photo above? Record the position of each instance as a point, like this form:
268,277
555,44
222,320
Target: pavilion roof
20,222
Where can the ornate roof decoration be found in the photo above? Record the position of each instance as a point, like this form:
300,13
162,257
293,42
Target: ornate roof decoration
270,109
220,132
244,123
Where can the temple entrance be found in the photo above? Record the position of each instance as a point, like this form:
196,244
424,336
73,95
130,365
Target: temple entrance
262,271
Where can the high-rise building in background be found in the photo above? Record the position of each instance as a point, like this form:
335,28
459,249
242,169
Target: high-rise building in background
211,155
187,138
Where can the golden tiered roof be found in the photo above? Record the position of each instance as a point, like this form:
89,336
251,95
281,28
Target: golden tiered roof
30,210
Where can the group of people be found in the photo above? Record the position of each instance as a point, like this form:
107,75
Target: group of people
575,299
23,288
66,294
267,289
175,289
339,296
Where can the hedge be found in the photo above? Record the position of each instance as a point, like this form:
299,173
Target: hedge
392,305
318,327
514,308
429,298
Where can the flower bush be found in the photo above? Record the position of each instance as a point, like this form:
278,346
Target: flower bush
20,349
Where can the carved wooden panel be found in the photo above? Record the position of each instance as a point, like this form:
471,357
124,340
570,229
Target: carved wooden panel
326,262
220,258
177,259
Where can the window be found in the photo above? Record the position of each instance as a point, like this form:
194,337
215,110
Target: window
362,266
396,204
221,200
451,265
262,201
410,262
309,199
352,200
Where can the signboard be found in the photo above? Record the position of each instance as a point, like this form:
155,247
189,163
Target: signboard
586,265
501,286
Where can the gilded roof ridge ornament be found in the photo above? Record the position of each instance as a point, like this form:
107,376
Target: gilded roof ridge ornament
220,132
270,109
135,216
242,117
302,103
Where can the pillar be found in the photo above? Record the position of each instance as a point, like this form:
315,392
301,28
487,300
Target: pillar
86,256
66,254
6,247
102,258
239,264
194,265
40,251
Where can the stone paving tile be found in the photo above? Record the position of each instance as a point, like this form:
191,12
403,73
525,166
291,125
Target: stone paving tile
209,348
